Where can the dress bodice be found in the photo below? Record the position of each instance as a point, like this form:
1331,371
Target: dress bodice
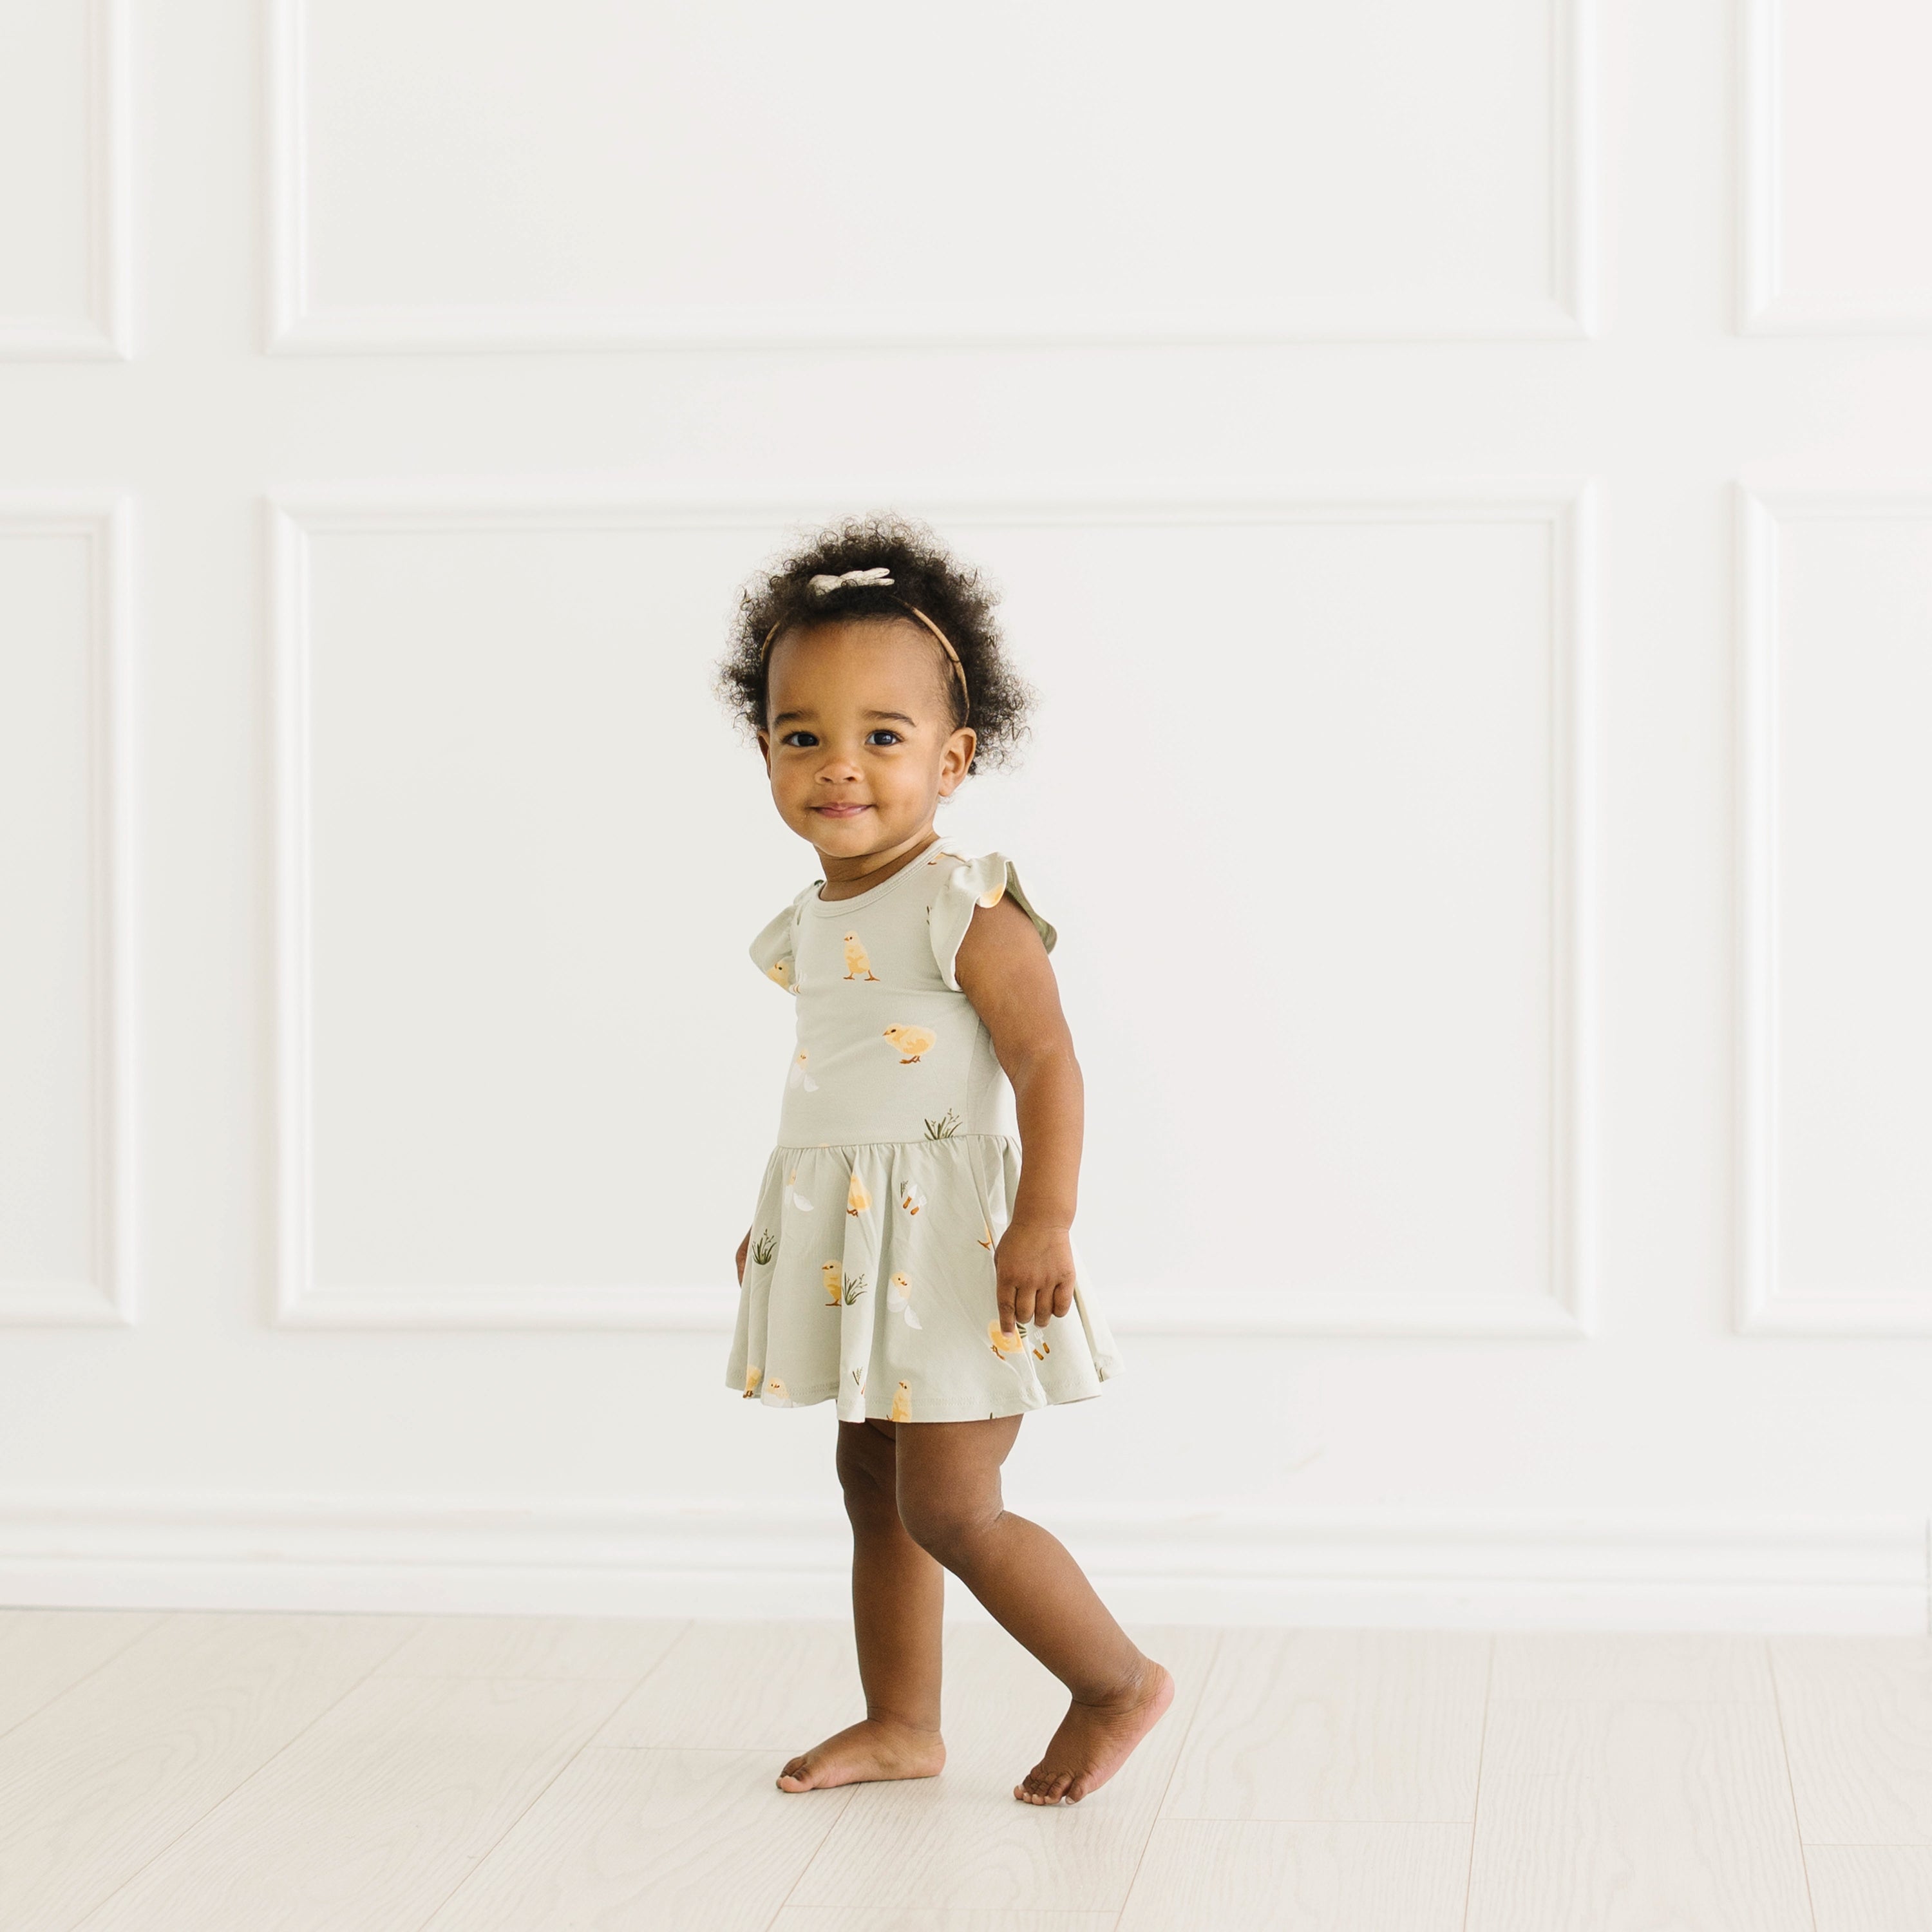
888,1047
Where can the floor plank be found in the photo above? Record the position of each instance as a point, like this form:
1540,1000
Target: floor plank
1337,1727
45,1652
95,1784
479,1646
778,1687
1263,1875
375,1814
962,1839
1871,1888
1596,1667
1858,1724
1635,1817
936,1918
659,1840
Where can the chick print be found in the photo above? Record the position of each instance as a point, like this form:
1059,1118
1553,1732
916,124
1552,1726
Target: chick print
901,1408
857,966
829,1271
993,897
753,1376
857,1199
799,1077
780,970
898,1299
911,1042
986,1239
777,1394
912,1197
792,1194
1003,1344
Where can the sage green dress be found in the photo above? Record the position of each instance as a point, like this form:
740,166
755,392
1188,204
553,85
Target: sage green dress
870,1279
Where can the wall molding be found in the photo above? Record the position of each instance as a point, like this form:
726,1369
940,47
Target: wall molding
1761,1305
1764,306
106,331
104,520
1233,1564
294,325
1565,508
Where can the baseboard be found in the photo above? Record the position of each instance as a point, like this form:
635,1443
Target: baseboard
1237,1564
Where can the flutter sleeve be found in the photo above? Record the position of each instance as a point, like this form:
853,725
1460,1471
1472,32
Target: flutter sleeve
772,951
983,881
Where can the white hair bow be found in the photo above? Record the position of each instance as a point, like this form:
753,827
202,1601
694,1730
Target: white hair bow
825,585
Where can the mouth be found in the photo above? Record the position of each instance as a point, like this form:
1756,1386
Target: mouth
840,811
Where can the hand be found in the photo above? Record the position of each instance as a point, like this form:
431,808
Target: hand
1035,1274
744,1248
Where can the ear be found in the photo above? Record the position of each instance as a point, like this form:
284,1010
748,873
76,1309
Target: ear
955,758
765,750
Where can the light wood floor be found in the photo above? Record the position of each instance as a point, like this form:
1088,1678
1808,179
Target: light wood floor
192,1772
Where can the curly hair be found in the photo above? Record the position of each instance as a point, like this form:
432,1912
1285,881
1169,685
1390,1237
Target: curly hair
955,595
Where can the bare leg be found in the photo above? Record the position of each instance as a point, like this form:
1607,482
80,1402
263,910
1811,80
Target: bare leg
898,1606
949,1492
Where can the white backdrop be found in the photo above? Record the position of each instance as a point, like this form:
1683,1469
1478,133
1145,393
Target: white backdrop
1458,478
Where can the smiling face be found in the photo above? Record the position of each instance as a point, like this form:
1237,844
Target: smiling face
860,742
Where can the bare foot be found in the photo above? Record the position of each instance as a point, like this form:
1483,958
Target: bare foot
1093,1741
872,1748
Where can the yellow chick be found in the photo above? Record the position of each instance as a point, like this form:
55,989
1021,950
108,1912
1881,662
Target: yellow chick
856,963
778,1394
780,970
911,1042
829,1270
1003,1344
792,1194
898,1299
857,1199
798,1076
901,1411
753,1376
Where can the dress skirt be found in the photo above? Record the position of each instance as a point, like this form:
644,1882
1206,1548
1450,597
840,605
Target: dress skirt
870,1282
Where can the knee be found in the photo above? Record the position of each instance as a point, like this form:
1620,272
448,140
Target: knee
865,1470
947,1527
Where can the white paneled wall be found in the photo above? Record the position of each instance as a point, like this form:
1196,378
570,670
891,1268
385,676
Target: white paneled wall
1836,1050
1838,157
1457,479
66,194
68,1250
446,178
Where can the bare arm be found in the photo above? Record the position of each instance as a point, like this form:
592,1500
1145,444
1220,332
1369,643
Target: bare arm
1003,968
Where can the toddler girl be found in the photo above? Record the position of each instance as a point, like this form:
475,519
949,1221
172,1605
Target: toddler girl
897,1261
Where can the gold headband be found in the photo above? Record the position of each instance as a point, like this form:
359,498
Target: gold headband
959,670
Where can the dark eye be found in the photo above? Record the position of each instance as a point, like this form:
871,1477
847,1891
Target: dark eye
883,731
790,735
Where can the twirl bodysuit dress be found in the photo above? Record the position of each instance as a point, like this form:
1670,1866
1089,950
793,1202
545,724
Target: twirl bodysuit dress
870,1279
